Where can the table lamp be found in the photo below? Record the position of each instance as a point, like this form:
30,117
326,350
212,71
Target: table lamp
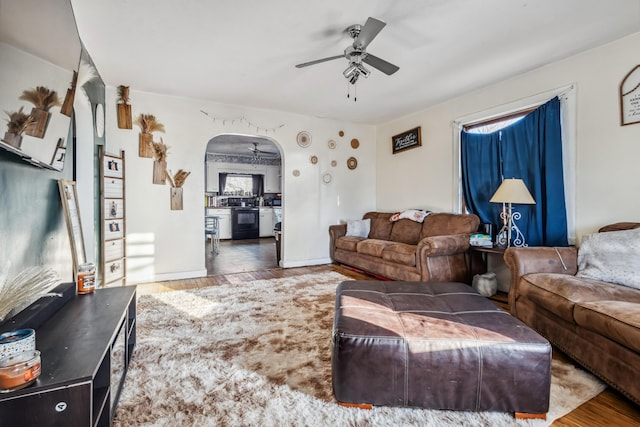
511,191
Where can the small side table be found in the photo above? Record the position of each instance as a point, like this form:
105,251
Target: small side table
500,297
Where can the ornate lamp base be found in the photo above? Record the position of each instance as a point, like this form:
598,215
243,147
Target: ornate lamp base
510,234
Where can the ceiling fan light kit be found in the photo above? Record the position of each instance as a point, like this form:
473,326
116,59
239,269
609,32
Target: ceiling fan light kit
357,53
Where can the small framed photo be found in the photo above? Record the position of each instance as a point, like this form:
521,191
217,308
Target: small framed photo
406,140
57,161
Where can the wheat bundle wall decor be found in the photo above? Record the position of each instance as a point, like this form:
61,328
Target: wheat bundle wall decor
124,109
160,151
148,124
177,181
43,100
17,123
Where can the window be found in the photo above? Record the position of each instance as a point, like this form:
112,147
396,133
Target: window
490,121
239,185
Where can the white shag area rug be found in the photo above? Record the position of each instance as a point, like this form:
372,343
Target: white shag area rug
259,354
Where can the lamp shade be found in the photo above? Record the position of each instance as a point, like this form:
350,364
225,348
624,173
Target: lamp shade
513,190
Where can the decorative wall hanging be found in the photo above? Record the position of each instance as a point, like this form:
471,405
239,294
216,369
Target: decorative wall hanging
331,144
630,97
314,160
355,143
326,178
352,163
148,124
67,104
334,163
303,139
296,172
406,140
17,123
243,120
43,99
57,161
177,181
341,133
160,162
124,108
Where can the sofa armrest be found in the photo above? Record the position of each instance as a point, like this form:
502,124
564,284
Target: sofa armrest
335,231
542,259
443,245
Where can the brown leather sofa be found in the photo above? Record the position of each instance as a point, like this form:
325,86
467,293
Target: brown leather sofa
594,322
434,250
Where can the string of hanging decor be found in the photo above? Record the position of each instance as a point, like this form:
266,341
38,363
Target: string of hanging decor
242,120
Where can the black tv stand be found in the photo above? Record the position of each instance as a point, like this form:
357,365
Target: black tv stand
85,348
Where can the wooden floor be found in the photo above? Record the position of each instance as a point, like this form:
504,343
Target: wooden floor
609,408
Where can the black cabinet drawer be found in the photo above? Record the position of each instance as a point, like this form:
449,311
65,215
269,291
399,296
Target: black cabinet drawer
63,407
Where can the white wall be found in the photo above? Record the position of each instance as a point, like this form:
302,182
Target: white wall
608,184
163,244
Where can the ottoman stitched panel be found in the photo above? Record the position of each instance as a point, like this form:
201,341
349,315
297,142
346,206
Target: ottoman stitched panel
437,346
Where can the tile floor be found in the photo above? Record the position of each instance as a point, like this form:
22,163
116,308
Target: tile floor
237,256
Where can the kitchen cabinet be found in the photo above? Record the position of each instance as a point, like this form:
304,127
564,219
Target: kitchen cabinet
213,179
224,221
266,222
86,348
272,180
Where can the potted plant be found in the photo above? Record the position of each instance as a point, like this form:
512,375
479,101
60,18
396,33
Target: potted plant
43,99
124,109
148,124
17,123
177,181
160,162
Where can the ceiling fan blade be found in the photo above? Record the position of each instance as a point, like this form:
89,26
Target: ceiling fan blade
370,30
380,64
318,61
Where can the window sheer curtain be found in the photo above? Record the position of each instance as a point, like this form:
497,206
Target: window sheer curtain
530,149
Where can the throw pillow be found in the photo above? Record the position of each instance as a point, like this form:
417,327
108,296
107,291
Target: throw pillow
358,227
612,256
412,214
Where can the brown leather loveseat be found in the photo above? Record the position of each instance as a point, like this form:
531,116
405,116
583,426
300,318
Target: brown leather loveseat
434,250
595,322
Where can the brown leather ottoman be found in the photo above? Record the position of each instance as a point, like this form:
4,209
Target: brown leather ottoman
437,346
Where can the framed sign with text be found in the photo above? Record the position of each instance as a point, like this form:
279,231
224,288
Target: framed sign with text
630,97
406,140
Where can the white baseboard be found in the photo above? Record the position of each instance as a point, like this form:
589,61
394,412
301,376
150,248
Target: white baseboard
174,276
304,263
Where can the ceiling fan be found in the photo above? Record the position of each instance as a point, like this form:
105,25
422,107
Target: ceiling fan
258,153
357,53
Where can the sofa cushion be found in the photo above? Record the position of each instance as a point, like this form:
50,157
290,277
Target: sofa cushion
380,225
612,257
441,224
358,227
401,253
373,247
348,243
559,293
616,320
406,231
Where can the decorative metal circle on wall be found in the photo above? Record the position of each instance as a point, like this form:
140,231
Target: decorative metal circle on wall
326,178
296,172
314,160
355,143
304,139
334,163
341,133
352,163
331,144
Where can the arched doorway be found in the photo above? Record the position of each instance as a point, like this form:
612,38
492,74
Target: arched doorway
243,189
